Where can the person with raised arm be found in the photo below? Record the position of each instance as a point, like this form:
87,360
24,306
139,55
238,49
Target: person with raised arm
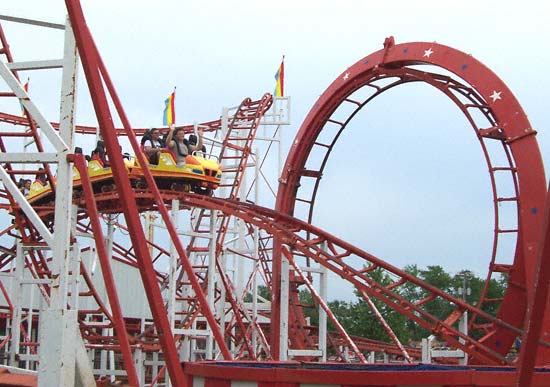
178,144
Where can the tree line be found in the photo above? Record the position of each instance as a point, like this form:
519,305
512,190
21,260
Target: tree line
358,319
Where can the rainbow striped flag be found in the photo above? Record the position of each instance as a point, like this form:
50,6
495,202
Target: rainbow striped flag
280,78
26,88
169,116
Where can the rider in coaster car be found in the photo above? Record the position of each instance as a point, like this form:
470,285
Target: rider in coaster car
179,146
152,145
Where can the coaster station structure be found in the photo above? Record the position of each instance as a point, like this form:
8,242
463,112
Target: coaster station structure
144,300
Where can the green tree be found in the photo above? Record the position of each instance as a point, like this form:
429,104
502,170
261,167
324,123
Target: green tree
359,319
496,288
439,278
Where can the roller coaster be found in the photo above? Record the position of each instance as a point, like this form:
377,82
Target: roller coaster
89,293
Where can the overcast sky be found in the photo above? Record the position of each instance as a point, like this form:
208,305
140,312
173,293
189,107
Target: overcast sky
419,192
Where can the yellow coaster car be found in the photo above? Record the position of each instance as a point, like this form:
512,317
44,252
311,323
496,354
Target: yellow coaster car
39,193
101,178
199,174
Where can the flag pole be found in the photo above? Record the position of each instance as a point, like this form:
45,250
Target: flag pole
174,105
283,76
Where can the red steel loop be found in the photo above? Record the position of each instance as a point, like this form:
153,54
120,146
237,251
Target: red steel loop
487,94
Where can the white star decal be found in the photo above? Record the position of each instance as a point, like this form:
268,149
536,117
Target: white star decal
428,52
496,95
345,77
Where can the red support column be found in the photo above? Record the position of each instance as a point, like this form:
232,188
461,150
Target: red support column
105,262
275,328
537,307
